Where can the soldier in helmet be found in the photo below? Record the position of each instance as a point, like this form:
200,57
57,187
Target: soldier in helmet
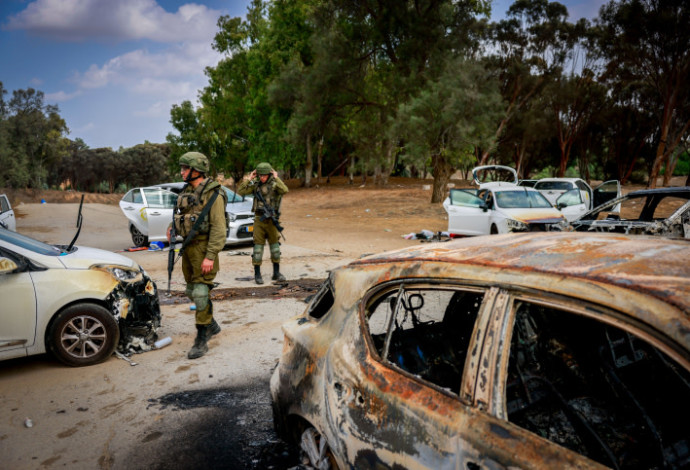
268,190
200,256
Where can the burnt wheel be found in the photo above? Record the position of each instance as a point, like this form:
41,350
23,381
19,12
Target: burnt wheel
315,451
494,229
83,334
138,238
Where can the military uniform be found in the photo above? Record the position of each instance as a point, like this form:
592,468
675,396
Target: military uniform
272,191
205,245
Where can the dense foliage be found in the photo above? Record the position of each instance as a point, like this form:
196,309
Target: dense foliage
35,153
375,88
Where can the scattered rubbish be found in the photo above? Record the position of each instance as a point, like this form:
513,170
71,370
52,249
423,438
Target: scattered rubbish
192,307
28,423
137,248
367,210
386,230
423,235
239,253
125,358
156,246
161,343
43,201
426,187
247,278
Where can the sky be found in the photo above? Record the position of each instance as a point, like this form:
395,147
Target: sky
115,68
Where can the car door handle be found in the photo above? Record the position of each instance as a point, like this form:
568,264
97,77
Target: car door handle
155,213
129,208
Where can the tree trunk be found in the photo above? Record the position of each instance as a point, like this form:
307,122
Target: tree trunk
319,160
309,165
442,171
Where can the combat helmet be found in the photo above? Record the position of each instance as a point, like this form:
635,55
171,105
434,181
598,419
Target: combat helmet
264,169
195,160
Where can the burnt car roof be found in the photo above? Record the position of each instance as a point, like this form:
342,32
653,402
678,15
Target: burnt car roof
656,266
675,190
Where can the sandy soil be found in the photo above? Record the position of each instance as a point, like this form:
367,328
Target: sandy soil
168,411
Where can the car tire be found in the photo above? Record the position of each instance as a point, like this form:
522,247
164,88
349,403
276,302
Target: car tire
83,334
494,229
315,451
138,238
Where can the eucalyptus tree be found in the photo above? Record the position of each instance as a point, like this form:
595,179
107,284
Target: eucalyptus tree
647,47
450,118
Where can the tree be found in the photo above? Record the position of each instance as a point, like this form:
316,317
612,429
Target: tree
647,47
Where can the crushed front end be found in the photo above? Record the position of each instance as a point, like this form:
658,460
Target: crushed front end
134,302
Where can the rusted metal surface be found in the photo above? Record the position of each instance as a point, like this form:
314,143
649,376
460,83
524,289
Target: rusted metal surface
371,413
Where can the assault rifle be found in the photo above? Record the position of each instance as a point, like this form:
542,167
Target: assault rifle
269,212
190,236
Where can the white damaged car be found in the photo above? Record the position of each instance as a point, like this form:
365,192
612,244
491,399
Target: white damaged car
76,302
498,206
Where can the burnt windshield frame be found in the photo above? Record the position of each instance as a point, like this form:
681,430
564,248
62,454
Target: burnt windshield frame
322,301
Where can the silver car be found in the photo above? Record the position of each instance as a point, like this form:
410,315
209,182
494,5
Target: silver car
149,212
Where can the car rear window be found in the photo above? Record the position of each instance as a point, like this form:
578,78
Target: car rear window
322,301
553,185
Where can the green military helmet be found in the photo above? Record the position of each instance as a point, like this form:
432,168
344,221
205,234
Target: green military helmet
195,160
264,169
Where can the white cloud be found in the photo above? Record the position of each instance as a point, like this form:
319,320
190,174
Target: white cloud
61,96
174,72
115,19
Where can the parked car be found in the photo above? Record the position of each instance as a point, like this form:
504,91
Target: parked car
7,219
149,212
76,302
573,196
544,350
662,211
498,207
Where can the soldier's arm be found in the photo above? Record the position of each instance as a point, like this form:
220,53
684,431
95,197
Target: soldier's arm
280,187
218,230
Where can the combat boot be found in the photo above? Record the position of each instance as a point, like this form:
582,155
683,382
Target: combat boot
276,273
257,275
200,347
212,329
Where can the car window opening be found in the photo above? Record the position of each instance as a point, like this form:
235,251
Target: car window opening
426,332
322,301
597,390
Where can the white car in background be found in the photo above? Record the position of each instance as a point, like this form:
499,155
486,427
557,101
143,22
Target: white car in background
149,211
573,196
7,218
498,206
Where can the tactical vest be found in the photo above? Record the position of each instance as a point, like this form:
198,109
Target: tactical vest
271,196
190,204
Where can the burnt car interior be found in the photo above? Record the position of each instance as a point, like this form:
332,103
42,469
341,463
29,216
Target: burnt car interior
597,390
426,332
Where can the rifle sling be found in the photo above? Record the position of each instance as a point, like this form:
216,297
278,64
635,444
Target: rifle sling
197,224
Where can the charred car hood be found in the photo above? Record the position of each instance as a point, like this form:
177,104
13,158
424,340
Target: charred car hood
534,216
84,257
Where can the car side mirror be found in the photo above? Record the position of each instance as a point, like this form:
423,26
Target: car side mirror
484,206
7,266
561,205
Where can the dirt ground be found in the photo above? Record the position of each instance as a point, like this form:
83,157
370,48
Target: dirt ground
168,411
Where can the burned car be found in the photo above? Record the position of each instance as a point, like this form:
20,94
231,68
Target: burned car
76,302
661,211
526,350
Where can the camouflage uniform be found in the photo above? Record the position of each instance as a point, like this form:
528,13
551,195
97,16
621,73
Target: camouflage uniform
206,244
272,191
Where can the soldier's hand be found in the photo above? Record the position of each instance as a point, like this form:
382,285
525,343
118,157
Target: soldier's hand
206,266
274,173
168,233
252,175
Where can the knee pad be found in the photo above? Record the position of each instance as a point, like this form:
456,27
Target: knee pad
200,296
275,252
189,292
257,255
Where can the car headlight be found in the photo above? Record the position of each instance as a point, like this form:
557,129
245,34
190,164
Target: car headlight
516,225
123,274
231,217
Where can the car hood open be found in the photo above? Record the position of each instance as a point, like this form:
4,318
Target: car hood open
84,257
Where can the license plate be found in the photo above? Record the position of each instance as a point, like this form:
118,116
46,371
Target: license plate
249,228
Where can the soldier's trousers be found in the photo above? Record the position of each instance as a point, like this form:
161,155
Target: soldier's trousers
198,284
265,230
